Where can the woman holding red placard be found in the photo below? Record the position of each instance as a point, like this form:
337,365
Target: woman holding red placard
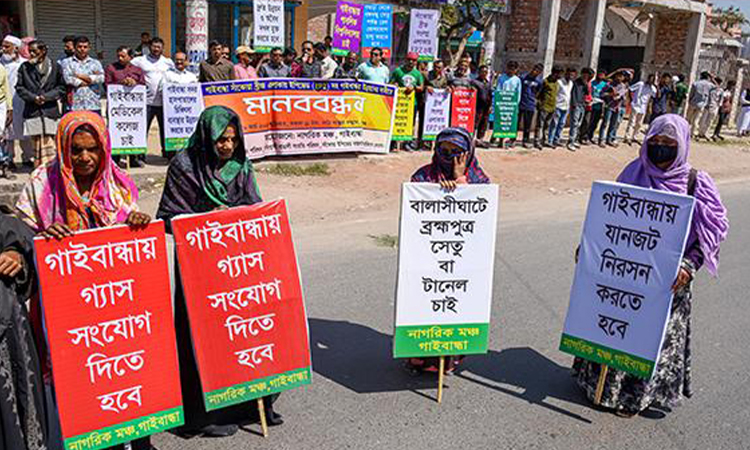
80,189
212,173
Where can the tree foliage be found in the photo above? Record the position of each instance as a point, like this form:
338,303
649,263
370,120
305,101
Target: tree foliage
728,18
459,20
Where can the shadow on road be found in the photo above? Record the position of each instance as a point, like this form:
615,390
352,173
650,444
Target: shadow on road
361,359
525,368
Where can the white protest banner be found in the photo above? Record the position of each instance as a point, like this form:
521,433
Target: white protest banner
423,33
126,109
445,268
437,113
183,104
268,27
632,244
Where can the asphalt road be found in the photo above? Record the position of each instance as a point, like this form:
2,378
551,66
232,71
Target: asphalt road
518,396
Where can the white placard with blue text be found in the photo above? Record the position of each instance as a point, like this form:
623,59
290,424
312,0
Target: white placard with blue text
631,249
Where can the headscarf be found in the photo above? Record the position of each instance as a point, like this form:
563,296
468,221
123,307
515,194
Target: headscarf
13,40
441,168
710,224
23,50
51,196
196,182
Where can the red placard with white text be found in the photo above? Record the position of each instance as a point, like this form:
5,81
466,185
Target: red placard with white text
244,300
463,108
108,314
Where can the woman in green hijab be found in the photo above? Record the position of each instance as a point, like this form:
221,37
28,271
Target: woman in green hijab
213,172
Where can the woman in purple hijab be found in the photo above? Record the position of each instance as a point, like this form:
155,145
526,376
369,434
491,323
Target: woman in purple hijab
663,165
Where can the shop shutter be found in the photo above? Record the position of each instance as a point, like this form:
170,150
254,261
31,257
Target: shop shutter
122,24
55,19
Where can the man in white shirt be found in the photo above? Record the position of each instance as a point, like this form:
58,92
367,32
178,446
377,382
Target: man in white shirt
328,65
179,73
13,124
155,66
641,94
565,86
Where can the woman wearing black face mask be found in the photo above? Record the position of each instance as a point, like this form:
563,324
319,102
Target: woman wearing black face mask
663,165
453,163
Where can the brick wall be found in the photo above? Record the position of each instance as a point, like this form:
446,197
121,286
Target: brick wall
570,38
523,29
670,37
317,28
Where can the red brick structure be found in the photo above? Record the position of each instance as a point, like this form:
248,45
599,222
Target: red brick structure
523,27
571,38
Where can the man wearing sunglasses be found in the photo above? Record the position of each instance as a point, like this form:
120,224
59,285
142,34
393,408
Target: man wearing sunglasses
374,70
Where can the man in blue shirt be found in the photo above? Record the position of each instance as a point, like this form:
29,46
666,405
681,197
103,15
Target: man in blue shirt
509,81
597,105
530,85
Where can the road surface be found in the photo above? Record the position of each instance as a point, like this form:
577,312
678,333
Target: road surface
518,396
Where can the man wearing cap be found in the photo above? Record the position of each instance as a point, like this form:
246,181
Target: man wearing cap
216,67
12,61
244,69
154,66
409,78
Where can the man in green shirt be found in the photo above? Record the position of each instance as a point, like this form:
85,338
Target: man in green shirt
679,94
410,78
545,108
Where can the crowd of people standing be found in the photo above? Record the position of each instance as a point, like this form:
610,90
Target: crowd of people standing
77,185
35,91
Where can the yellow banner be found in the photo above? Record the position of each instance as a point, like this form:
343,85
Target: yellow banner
403,123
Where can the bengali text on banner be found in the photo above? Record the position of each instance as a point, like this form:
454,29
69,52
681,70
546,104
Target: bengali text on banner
631,248
244,300
445,269
108,313
294,117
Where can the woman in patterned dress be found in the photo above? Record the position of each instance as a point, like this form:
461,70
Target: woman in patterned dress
663,165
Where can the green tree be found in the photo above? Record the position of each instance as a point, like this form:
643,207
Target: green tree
460,20
728,18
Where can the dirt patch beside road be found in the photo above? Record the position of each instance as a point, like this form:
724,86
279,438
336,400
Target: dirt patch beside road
369,186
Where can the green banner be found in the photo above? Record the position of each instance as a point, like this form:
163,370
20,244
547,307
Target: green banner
175,144
129,151
440,340
127,431
631,364
505,124
240,393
